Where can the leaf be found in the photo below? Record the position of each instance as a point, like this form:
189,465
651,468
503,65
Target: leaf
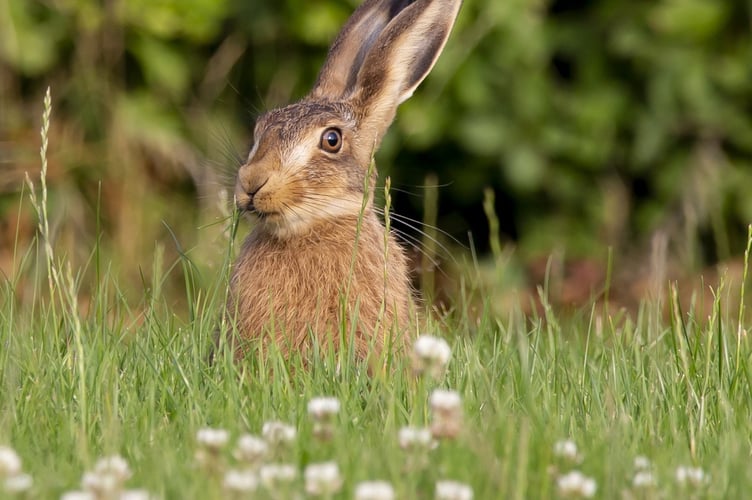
163,64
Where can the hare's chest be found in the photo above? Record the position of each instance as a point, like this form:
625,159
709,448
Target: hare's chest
295,279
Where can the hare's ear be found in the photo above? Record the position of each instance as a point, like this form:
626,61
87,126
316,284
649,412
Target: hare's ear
399,60
351,46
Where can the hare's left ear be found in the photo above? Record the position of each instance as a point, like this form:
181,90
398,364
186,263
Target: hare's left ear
399,60
358,35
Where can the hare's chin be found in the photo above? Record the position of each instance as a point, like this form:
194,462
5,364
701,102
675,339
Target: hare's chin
283,228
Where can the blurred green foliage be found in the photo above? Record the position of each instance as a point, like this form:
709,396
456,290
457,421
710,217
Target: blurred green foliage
597,123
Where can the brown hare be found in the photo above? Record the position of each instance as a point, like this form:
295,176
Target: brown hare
319,262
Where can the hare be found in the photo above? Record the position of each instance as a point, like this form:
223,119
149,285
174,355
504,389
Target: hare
319,263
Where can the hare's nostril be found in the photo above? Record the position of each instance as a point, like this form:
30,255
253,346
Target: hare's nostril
252,192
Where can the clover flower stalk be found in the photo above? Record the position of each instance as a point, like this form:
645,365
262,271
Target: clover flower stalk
323,412
446,414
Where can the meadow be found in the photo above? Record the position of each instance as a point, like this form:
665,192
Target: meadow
654,403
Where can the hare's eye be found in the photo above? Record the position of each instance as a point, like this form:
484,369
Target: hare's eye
331,140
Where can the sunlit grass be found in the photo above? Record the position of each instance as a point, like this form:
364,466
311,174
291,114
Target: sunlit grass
645,403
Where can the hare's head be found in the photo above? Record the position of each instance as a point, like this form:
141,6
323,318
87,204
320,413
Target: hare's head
309,160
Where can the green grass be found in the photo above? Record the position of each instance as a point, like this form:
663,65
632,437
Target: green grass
78,383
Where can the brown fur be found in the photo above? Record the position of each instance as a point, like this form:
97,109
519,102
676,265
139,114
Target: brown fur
293,290
319,262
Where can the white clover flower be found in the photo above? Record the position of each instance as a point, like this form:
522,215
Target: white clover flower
18,483
431,355
251,449
566,449
452,490
323,408
691,476
415,438
114,465
102,485
78,495
135,495
445,401
323,411
240,481
641,462
644,479
10,462
374,490
322,479
278,433
446,413
575,484
213,439
273,476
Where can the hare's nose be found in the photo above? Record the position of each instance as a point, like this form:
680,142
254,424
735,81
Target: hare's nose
252,192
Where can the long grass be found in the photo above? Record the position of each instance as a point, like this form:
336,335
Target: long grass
80,383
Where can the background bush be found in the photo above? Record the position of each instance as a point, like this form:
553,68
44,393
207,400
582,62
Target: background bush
597,123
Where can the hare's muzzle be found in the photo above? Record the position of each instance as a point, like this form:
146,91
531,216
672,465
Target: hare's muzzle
246,189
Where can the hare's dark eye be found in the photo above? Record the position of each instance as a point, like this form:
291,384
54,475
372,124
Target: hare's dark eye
331,140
